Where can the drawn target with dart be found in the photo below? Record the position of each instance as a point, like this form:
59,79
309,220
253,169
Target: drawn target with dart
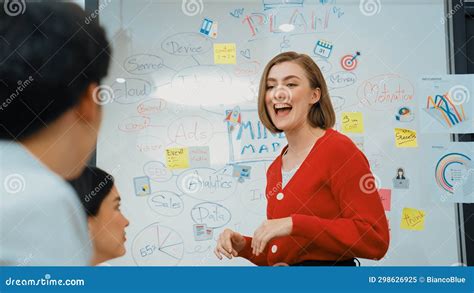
349,62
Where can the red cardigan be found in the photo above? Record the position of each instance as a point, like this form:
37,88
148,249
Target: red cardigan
337,214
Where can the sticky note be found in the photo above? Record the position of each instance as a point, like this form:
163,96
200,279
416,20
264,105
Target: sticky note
405,138
177,158
352,122
225,53
386,197
413,219
199,156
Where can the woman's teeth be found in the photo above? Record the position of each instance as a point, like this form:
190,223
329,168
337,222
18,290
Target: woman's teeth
282,108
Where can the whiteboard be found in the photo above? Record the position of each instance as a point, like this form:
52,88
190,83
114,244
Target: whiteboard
168,100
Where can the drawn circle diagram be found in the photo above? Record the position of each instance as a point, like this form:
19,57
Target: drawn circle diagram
157,171
348,62
166,203
206,184
450,170
157,245
211,214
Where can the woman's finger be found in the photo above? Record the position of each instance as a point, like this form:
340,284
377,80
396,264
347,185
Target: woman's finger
260,243
263,241
254,244
255,238
261,236
216,252
263,244
224,252
228,243
257,244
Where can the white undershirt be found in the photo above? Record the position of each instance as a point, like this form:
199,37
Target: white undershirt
287,175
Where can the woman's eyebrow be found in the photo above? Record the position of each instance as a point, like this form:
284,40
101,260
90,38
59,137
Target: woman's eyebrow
286,78
291,76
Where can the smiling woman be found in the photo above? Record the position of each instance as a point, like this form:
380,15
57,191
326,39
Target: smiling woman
285,84
317,209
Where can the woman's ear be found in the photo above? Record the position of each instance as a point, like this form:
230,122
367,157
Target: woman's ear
315,96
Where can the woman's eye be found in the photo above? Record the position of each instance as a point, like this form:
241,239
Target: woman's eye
291,85
269,87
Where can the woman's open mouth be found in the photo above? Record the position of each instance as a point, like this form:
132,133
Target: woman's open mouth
282,110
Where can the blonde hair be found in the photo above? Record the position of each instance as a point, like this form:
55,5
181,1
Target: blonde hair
321,113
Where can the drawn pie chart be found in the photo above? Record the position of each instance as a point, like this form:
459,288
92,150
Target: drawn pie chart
450,169
157,245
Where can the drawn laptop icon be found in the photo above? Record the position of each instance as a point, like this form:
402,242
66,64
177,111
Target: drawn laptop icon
401,183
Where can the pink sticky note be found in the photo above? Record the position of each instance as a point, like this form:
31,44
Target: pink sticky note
386,197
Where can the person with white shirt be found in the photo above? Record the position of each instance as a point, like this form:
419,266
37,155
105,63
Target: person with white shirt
51,65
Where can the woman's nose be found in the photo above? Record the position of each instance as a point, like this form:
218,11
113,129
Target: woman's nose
282,94
126,221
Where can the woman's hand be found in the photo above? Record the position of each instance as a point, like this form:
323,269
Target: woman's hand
268,230
230,243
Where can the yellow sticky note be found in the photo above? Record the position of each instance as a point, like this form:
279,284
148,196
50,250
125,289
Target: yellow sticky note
405,138
177,158
413,219
352,122
225,53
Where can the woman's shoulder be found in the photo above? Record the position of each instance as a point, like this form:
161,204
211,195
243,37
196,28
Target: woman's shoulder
334,140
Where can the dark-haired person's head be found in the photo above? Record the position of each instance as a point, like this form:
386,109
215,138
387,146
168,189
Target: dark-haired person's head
51,64
106,222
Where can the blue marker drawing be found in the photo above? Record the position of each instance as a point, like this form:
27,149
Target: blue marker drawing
241,172
323,48
206,26
272,4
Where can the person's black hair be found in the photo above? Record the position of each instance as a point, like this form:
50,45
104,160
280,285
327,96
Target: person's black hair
403,173
92,187
49,54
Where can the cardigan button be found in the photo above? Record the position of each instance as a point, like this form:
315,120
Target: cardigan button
280,196
274,248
